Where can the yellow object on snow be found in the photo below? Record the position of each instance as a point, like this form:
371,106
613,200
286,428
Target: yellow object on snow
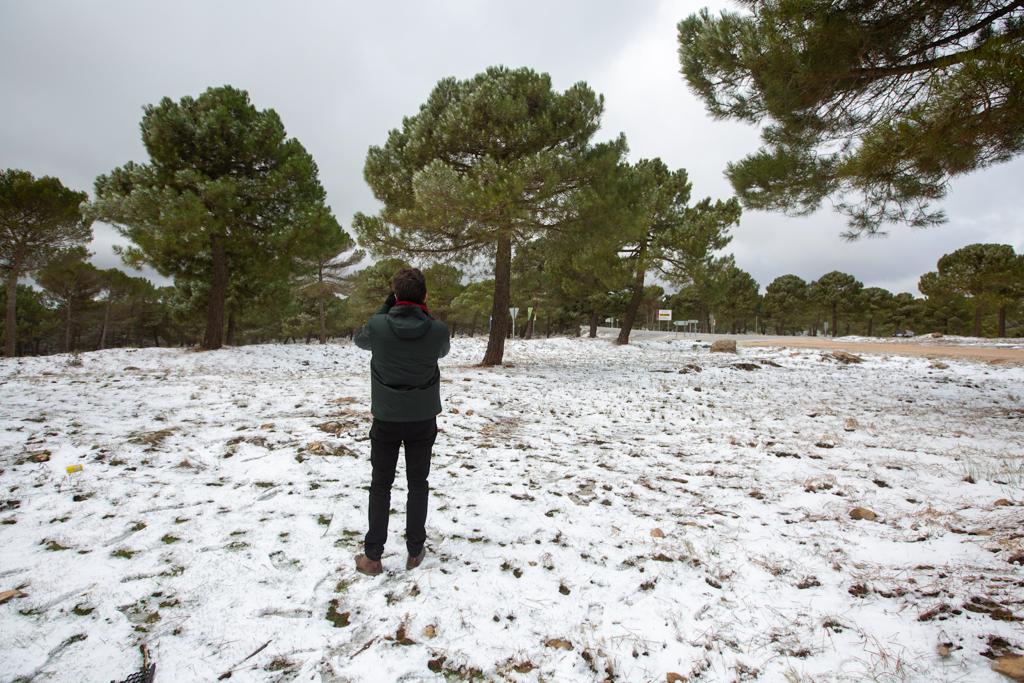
74,468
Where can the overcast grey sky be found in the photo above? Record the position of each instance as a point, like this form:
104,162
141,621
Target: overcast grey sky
75,76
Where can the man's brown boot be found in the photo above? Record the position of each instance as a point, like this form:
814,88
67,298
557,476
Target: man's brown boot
365,565
414,561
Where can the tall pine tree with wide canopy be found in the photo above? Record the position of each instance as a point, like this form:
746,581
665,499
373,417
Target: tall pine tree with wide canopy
487,163
874,106
222,192
985,274
39,218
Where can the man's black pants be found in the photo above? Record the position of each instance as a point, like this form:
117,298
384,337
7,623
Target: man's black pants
385,440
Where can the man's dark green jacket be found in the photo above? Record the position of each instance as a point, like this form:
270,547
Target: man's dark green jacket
405,382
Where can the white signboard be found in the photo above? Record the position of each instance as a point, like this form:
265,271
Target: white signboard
664,314
513,312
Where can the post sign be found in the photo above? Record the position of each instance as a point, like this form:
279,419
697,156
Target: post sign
664,314
513,312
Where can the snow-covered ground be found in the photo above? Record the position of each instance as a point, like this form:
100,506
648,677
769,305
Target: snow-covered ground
597,512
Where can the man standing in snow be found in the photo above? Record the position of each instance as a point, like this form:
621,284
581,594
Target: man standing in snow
405,399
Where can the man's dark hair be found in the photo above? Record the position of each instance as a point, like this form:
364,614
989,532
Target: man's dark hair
409,285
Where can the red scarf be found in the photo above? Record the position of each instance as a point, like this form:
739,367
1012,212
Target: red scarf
413,303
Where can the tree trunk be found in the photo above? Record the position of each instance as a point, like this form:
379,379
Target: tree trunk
322,304
977,320
323,321
229,337
214,337
67,327
472,326
1002,322
871,325
835,319
106,324
500,319
593,324
634,301
11,328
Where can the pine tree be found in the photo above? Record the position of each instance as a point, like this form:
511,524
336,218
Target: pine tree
38,218
874,302
667,234
72,282
486,164
324,257
985,274
219,198
836,291
785,300
872,105
473,304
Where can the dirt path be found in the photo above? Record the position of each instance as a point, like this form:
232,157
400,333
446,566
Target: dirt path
986,354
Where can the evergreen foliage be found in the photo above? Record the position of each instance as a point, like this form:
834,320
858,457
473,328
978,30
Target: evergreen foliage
986,274
38,218
225,193
874,303
486,164
785,300
323,263
71,282
872,105
667,234
473,305
835,292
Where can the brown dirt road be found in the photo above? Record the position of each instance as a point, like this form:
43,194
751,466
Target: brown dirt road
987,354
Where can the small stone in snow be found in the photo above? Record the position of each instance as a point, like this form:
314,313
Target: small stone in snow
558,643
1011,666
657,533
1002,502
7,595
851,424
863,513
724,346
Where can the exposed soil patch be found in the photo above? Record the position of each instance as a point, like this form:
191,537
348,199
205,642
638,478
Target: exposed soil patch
987,354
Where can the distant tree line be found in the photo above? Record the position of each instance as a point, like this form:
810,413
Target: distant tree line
496,174
977,290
